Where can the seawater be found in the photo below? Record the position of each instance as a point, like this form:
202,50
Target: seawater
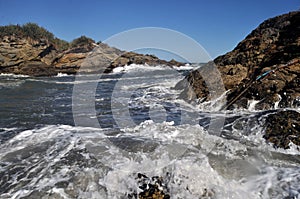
142,127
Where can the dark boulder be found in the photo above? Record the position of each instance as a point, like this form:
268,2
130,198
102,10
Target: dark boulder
283,128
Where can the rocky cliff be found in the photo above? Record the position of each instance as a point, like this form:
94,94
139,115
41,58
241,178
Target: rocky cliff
39,57
26,56
265,66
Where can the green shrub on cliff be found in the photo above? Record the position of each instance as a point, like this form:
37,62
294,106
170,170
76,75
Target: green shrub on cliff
82,41
35,32
30,30
61,44
11,30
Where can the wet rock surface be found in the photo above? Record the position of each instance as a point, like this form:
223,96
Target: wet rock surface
283,128
156,187
151,188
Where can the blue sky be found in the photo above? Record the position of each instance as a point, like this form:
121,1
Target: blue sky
217,25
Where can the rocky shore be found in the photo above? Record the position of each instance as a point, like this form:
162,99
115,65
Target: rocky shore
265,66
39,57
262,70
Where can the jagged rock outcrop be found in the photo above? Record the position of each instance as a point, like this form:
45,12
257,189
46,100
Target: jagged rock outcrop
40,58
265,66
135,58
105,58
128,58
89,59
26,56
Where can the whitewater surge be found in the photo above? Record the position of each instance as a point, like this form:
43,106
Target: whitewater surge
143,128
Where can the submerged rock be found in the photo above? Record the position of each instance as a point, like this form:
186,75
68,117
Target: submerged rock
283,128
151,188
156,187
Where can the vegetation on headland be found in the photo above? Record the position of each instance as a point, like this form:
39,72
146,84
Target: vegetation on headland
81,41
36,32
32,50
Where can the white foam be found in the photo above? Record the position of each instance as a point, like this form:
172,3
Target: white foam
62,75
190,170
214,105
118,69
9,129
190,176
276,105
22,135
252,104
185,67
139,67
12,75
